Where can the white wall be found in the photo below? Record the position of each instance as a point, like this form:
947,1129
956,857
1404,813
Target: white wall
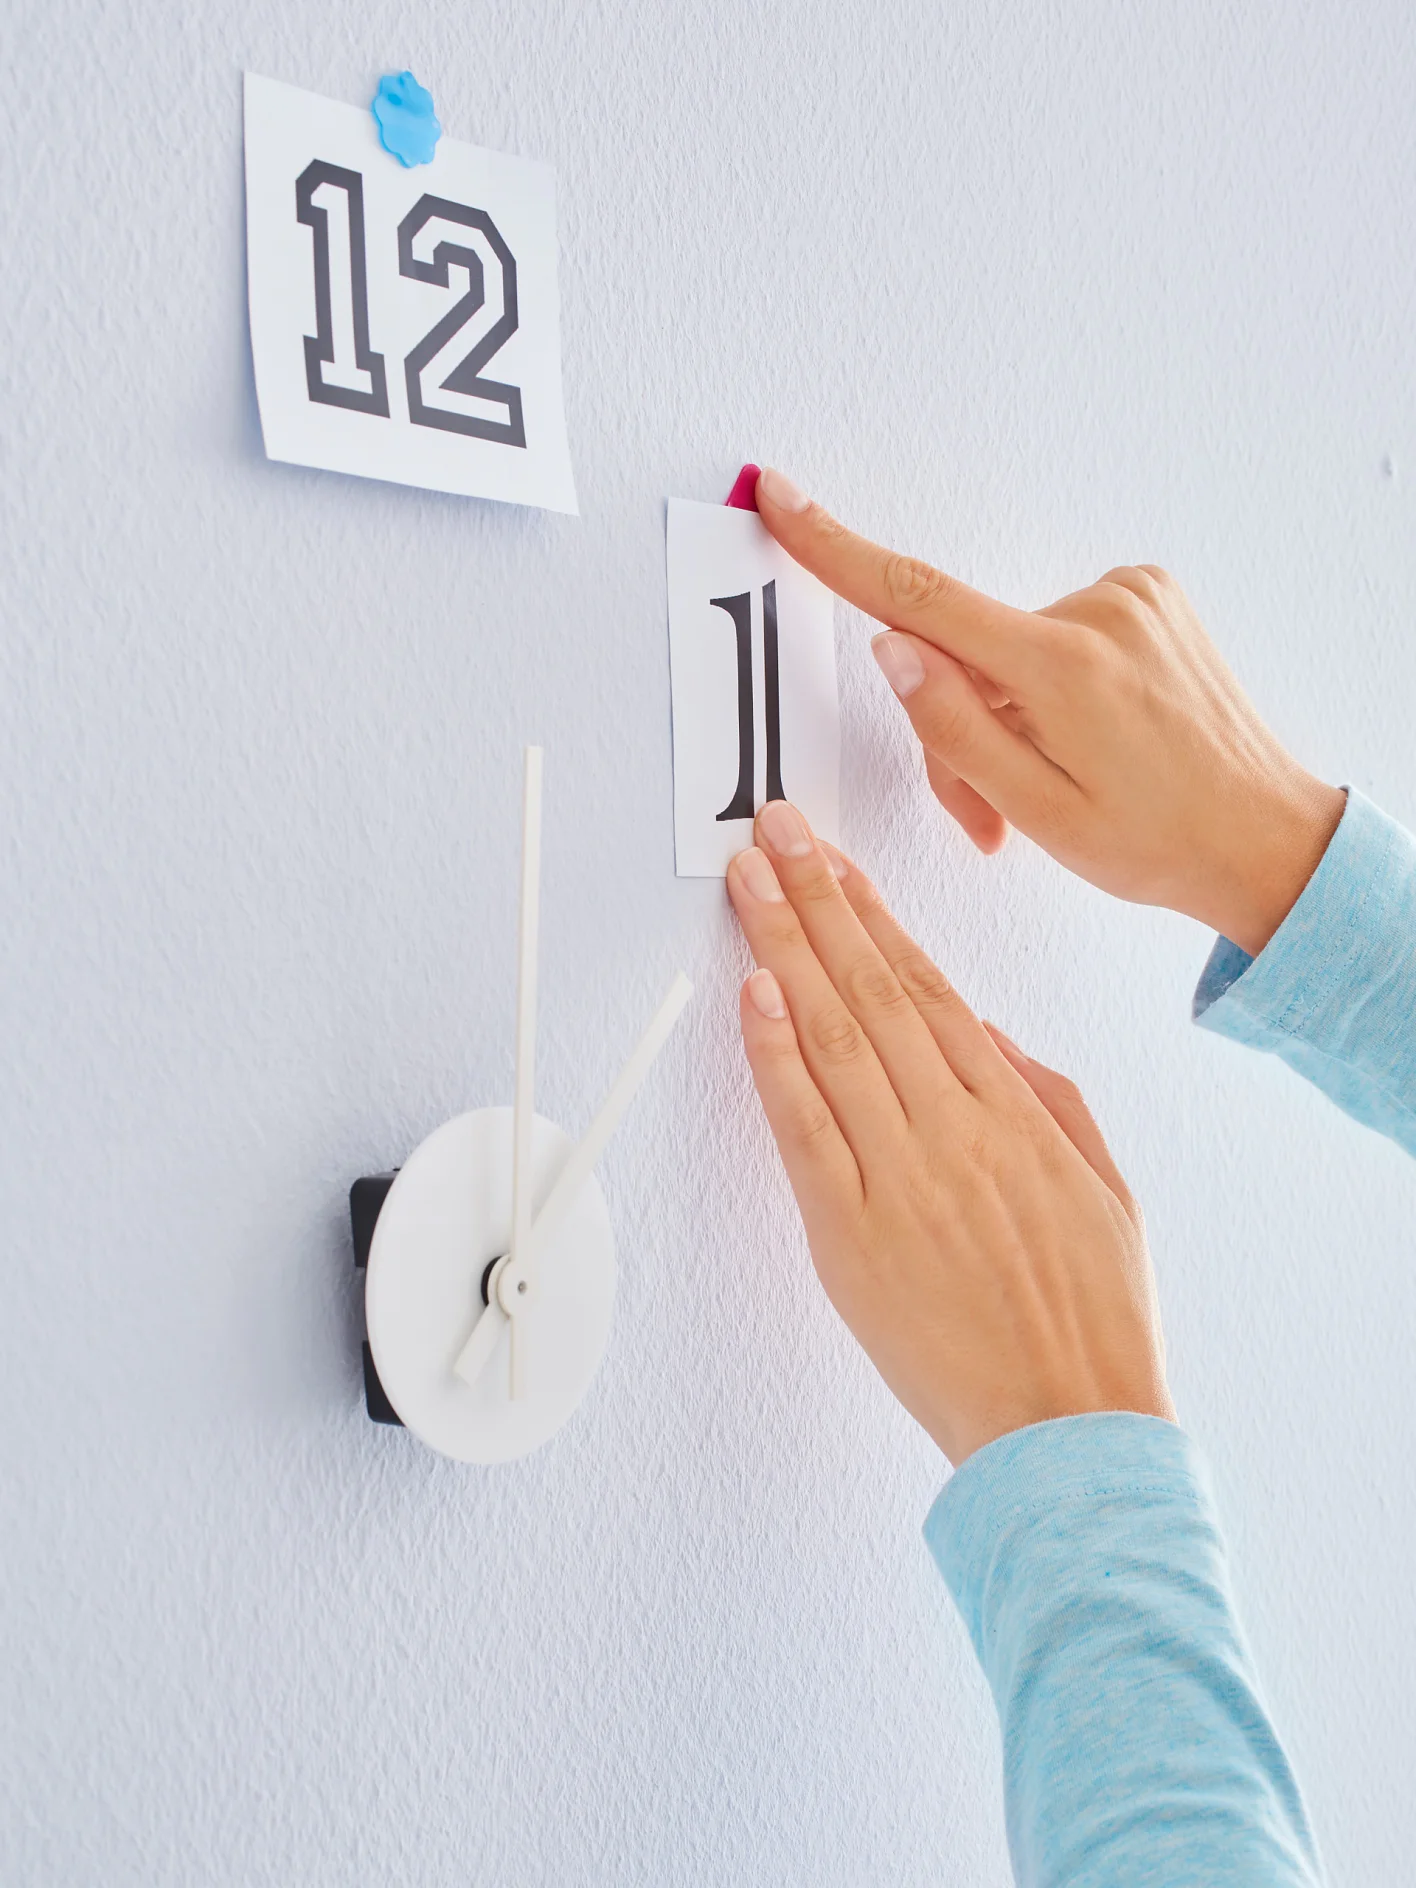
1030,289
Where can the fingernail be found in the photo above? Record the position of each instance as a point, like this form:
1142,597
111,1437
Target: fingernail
743,496
778,490
900,662
766,994
834,859
758,878
784,829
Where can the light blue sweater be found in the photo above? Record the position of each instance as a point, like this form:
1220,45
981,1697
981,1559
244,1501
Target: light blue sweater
1085,1555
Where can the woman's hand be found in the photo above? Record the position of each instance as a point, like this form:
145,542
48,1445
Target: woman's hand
962,1209
1106,727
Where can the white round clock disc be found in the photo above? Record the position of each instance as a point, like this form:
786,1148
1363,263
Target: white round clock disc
447,1215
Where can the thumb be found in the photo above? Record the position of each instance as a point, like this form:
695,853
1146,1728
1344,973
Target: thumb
956,726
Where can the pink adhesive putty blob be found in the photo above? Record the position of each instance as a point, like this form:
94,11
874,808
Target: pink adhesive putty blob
743,496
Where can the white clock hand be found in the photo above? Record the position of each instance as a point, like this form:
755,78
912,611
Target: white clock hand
476,1353
505,1280
528,930
588,1150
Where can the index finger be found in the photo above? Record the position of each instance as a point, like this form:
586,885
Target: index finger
901,592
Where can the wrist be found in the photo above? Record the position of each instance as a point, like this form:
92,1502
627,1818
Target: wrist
1270,856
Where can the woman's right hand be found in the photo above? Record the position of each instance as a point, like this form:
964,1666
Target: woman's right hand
1106,727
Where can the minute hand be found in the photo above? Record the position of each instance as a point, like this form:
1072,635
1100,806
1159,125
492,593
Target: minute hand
502,1303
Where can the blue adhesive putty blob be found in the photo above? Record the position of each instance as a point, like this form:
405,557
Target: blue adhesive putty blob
403,110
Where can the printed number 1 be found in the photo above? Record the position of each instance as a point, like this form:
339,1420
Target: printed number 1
341,293
740,610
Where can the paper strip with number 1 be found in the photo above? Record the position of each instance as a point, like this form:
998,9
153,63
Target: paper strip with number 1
405,323
752,657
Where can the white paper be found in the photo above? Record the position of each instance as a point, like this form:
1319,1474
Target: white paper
501,207
717,551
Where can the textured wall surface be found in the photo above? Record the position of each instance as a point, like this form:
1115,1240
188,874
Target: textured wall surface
1032,289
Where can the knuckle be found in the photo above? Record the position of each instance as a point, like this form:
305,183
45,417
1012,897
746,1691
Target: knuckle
780,932
1118,600
1086,653
925,984
862,897
836,1037
872,985
948,728
813,1124
911,584
1069,609
1135,578
820,886
1125,608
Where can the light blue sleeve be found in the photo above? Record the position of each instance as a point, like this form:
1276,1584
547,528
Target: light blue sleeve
1085,1555
1334,990
1087,1561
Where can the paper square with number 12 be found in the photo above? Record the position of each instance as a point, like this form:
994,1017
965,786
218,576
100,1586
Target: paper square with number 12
405,324
752,656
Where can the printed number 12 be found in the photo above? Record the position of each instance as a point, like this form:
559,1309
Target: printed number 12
740,610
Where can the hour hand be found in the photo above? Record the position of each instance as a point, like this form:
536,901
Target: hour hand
476,1353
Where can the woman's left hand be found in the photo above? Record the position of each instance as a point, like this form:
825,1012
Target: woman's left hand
963,1212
